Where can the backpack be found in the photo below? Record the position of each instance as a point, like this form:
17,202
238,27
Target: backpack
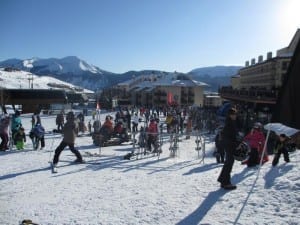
38,131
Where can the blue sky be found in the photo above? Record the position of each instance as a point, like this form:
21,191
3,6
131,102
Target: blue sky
170,35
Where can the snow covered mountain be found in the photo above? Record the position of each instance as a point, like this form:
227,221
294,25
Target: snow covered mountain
216,71
70,69
17,79
78,72
70,64
215,76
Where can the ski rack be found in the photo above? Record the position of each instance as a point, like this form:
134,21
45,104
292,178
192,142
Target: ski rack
174,146
200,146
143,150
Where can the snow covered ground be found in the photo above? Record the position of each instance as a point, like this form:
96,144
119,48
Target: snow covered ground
109,190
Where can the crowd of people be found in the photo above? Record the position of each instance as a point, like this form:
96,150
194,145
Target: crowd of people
147,123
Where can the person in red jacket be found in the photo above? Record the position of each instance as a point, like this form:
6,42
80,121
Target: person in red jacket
256,140
152,135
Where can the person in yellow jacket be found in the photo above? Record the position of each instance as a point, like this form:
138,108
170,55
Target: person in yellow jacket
169,119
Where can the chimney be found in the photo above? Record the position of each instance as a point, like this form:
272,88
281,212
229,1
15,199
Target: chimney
252,61
269,55
246,63
260,59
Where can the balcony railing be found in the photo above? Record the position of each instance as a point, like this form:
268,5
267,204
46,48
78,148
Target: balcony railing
251,95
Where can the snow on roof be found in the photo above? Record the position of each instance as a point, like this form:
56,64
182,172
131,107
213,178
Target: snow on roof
167,79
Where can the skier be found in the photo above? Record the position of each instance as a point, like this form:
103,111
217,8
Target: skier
4,123
230,134
70,132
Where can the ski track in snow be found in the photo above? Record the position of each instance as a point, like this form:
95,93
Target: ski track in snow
109,190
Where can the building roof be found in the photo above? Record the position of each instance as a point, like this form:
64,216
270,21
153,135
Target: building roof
165,79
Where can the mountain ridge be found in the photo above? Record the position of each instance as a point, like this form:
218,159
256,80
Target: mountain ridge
78,72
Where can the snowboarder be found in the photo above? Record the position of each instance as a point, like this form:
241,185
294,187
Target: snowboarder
70,132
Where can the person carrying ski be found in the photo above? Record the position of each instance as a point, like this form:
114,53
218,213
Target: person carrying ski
4,123
281,148
70,133
256,140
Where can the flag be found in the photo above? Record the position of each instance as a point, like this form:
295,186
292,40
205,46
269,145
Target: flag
98,106
287,108
170,98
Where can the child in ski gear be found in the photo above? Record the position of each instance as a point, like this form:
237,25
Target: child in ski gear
4,123
20,138
281,148
230,133
70,133
256,140
37,134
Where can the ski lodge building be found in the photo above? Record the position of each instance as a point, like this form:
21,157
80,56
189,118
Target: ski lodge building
259,82
162,89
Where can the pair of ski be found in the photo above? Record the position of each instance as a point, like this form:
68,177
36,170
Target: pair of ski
54,167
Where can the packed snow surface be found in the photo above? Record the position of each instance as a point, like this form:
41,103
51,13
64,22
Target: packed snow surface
168,190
